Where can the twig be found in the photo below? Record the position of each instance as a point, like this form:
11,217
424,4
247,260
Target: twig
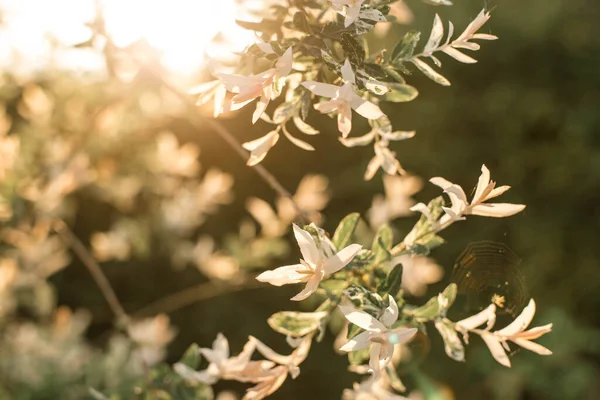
268,177
92,265
194,294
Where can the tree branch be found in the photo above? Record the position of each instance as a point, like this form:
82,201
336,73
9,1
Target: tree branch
94,268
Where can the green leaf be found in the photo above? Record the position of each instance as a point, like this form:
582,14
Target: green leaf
364,299
433,309
423,231
363,259
392,283
430,72
333,286
358,357
406,47
284,112
343,234
438,2
96,395
400,93
191,357
353,50
382,243
450,294
296,323
452,344
301,22
428,311
394,74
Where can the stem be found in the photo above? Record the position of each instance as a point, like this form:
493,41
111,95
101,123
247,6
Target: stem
94,268
191,295
199,120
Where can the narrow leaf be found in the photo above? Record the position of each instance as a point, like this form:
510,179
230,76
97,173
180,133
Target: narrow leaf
345,230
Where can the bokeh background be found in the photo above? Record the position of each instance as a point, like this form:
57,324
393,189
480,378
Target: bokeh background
528,110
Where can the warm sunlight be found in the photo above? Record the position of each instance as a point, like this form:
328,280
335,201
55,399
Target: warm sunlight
179,29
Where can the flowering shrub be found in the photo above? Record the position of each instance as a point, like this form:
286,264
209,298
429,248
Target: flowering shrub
309,55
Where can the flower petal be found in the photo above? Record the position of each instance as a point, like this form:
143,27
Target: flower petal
261,106
308,248
347,72
486,316
401,335
520,323
221,345
365,108
493,343
441,182
344,119
284,275
497,192
311,287
325,107
341,259
390,314
536,332
482,184
362,319
360,140
359,342
531,346
497,210
260,147
374,360
284,64
352,13
194,376
321,89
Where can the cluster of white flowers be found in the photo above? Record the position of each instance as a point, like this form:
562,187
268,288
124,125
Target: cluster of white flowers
357,90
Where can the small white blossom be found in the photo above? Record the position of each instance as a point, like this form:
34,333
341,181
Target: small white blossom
486,190
248,88
378,334
370,389
313,268
275,377
343,100
514,332
260,147
348,8
222,366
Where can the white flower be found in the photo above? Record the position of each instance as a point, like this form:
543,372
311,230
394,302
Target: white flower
385,159
151,335
370,389
277,375
221,366
249,88
260,147
377,334
313,268
397,201
515,332
348,8
486,190
343,100
418,272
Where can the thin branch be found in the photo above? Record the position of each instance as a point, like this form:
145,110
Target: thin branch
192,295
199,121
94,268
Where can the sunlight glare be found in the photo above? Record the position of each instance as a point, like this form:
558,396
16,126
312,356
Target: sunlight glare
179,29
